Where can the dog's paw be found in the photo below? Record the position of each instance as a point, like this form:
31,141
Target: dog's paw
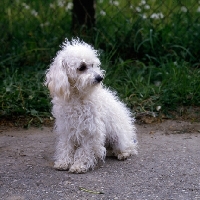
61,165
78,169
123,156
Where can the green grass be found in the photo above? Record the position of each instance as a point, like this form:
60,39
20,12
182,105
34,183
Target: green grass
22,92
144,88
150,50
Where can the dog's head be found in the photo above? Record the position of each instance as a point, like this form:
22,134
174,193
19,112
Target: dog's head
75,68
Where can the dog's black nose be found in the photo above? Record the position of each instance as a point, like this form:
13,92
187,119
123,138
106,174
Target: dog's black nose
98,78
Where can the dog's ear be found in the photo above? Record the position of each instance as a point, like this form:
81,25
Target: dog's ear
57,80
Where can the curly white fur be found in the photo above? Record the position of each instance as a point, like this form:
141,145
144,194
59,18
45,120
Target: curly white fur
89,117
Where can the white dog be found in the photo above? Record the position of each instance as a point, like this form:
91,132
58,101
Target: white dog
89,117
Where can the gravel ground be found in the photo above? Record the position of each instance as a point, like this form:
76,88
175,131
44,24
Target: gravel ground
166,168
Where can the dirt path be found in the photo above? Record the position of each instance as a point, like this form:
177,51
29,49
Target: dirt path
167,167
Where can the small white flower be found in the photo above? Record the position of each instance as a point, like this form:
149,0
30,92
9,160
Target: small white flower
100,1
157,16
161,15
183,9
115,3
51,118
8,89
175,63
60,3
158,108
147,7
138,9
154,16
143,2
198,9
69,6
144,16
26,6
34,13
103,13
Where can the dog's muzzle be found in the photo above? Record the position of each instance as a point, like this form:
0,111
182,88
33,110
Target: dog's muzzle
98,78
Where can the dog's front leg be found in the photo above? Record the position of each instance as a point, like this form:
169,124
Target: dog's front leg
64,156
86,156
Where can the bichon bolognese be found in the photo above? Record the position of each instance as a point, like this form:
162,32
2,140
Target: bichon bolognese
88,116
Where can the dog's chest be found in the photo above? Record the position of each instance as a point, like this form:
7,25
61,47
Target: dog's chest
80,113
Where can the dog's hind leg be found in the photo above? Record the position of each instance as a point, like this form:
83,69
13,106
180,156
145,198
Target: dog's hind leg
124,143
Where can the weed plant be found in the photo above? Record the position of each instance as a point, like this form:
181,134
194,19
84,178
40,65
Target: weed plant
152,88
150,50
22,92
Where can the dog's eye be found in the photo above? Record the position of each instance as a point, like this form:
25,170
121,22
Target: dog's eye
82,67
